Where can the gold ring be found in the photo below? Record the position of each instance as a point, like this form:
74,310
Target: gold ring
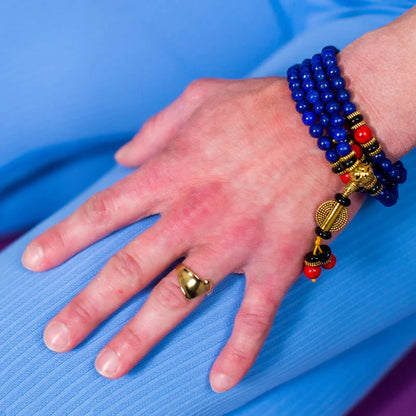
191,284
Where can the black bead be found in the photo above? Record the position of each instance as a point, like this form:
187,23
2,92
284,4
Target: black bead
338,169
355,120
326,235
343,200
325,255
374,189
372,148
348,163
312,258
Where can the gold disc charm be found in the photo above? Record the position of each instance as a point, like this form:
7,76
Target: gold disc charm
331,216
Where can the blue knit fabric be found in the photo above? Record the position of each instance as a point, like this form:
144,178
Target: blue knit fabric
324,351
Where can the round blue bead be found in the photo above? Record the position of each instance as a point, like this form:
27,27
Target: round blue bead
343,95
302,106
338,83
305,75
329,61
348,108
317,67
323,85
308,84
333,71
293,69
327,96
316,59
298,95
319,75
331,155
309,118
312,96
343,149
337,120
329,50
386,165
333,107
318,108
324,120
339,134
378,158
293,77
394,173
316,130
324,143
294,85
306,62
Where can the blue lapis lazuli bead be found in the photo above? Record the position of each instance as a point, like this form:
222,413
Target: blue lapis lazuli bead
324,120
333,72
337,120
294,69
308,84
339,134
386,165
324,143
338,83
302,106
298,95
309,118
329,50
305,75
323,85
318,108
331,155
294,85
348,108
343,95
316,59
343,149
319,75
333,107
316,130
312,96
379,157
327,96
329,61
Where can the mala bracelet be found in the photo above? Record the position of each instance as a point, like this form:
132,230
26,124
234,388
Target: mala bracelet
350,147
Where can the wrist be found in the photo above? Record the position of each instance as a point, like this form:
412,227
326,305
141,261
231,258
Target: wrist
378,68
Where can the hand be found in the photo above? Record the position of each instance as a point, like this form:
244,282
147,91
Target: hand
236,179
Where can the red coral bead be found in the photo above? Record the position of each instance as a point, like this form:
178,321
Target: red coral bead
363,134
357,150
312,272
332,262
345,177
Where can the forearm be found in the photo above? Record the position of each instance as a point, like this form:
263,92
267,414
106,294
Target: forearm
381,69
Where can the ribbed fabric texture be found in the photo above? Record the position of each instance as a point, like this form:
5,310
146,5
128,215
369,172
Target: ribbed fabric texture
325,335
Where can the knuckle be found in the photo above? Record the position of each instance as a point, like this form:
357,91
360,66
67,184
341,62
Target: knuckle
53,240
237,354
198,89
127,269
131,338
98,209
82,312
255,323
169,295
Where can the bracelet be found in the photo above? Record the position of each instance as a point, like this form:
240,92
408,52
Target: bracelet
351,149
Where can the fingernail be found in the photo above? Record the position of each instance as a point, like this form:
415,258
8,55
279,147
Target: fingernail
107,363
56,336
33,256
221,382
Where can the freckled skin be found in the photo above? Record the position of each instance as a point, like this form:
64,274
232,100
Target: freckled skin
236,179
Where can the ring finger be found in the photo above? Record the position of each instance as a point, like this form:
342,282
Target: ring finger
165,308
